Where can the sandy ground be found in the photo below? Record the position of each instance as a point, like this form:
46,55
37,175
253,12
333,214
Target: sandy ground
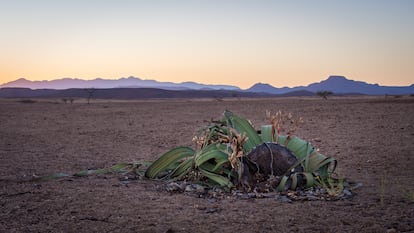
372,138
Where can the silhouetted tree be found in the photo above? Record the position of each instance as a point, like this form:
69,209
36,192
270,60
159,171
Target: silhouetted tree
324,94
90,93
218,98
236,95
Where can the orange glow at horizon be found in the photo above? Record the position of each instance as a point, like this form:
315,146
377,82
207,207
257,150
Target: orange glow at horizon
235,43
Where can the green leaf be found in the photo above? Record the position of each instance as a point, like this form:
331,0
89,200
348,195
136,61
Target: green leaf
219,170
266,133
119,168
311,159
327,167
166,160
281,139
122,167
218,179
310,179
210,152
85,173
299,147
282,183
182,169
243,126
294,178
51,177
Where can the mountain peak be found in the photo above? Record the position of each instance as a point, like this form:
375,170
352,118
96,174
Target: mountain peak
261,84
336,78
133,78
20,81
261,87
337,84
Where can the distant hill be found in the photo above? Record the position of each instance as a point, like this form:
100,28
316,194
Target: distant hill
338,85
125,93
267,88
130,82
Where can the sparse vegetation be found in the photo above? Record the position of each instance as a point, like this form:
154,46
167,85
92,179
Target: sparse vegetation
382,187
324,94
66,100
408,194
229,154
220,157
236,95
90,92
218,98
333,187
27,101
160,125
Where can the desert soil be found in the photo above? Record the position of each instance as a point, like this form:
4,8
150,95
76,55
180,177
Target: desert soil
372,138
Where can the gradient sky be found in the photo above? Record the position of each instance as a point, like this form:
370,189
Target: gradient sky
283,43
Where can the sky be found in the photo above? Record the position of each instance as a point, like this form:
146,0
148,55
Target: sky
234,42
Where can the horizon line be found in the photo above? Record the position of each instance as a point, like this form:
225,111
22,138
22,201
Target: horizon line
201,83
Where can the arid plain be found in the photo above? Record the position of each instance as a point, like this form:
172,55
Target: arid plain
371,137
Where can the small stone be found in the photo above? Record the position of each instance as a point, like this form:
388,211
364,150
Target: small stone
347,193
251,195
124,182
357,185
243,196
173,186
189,188
284,199
311,198
198,188
269,195
213,210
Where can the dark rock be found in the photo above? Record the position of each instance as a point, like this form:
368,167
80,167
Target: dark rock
267,161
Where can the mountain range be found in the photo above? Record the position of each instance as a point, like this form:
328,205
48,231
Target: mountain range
99,83
336,84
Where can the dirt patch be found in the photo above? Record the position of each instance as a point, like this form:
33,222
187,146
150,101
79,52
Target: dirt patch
372,138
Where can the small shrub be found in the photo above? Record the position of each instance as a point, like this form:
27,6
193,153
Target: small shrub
324,94
408,195
381,189
27,101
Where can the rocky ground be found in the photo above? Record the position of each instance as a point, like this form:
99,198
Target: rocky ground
372,138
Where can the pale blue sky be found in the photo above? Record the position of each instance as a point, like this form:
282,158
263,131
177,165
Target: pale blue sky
284,43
